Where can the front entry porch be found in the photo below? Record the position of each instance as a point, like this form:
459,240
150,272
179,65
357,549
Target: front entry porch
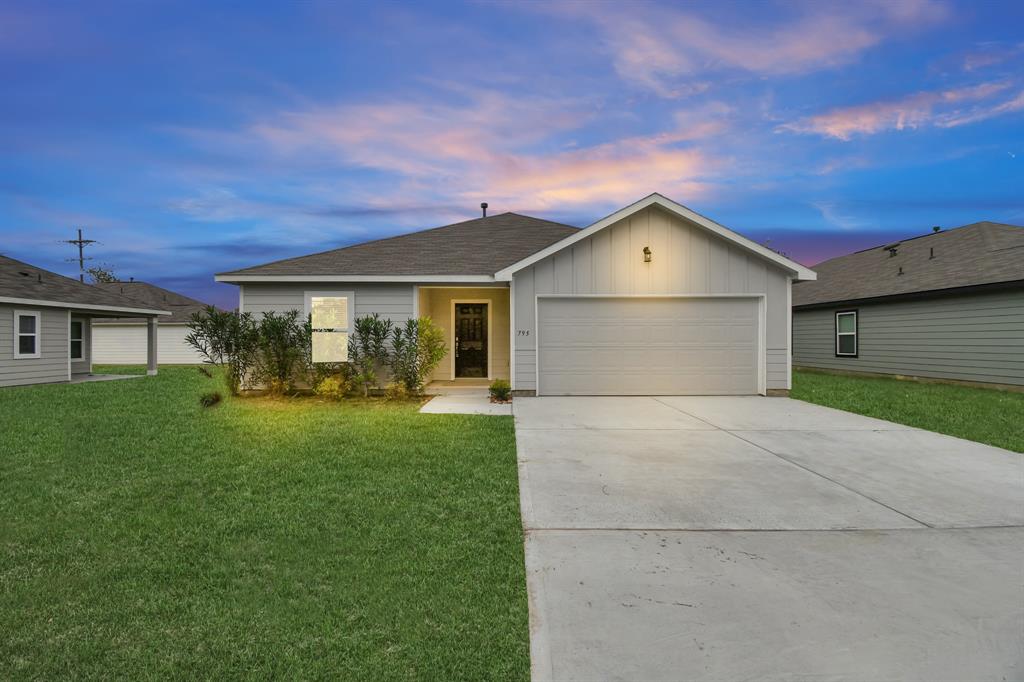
475,321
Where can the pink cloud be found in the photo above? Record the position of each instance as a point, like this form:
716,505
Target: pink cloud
944,108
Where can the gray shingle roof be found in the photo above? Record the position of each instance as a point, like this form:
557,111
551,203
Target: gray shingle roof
979,253
152,296
21,280
481,246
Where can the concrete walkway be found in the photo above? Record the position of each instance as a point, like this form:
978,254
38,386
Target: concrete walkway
765,538
463,400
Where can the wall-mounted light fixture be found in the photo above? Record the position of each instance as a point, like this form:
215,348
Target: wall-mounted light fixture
647,254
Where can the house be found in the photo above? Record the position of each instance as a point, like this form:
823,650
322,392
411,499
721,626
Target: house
948,305
45,320
653,299
117,341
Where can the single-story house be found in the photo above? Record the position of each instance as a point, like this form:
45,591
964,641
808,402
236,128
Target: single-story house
122,341
653,299
45,320
947,305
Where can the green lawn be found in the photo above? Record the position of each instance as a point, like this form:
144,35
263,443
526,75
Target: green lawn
142,536
980,414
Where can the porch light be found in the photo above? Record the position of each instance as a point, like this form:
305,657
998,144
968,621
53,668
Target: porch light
647,254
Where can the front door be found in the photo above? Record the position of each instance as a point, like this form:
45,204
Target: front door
470,340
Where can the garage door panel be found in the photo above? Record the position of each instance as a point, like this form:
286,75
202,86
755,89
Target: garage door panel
666,346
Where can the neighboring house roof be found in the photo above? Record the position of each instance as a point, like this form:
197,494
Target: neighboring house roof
180,307
21,283
798,271
476,248
972,255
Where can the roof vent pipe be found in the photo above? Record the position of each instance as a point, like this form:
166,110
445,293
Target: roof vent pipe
936,228
483,207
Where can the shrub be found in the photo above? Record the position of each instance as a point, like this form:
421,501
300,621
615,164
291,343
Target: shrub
209,399
500,390
281,346
396,390
430,348
226,339
416,350
368,349
333,387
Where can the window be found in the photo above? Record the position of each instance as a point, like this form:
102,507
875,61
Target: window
846,333
77,330
331,318
26,334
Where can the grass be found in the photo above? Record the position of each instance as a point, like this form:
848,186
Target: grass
144,537
979,414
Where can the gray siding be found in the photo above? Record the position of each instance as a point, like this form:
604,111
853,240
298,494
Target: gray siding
52,365
686,260
83,366
394,301
976,337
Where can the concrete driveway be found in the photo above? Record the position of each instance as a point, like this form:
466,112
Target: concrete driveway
736,538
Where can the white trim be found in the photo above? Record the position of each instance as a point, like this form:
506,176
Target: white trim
80,306
490,331
341,279
350,306
801,272
81,340
789,333
69,346
762,337
854,334
415,302
37,334
512,334
241,299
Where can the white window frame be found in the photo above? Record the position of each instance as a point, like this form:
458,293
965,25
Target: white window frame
854,334
72,339
351,308
18,334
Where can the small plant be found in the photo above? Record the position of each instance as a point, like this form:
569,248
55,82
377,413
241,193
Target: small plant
209,399
281,345
416,350
228,340
367,349
500,391
333,387
397,390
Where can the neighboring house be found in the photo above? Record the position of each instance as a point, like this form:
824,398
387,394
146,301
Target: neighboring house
653,299
45,320
123,341
946,305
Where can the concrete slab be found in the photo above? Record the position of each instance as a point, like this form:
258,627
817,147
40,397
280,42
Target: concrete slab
678,479
600,413
465,403
832,605
939,480
756,412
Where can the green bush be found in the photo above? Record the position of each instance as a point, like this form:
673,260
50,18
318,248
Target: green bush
416,349
396,390
281,345
333,387
229,340
368,349
500,390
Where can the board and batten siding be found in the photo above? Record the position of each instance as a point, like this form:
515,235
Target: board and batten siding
686,260
393,301
52,365
974,337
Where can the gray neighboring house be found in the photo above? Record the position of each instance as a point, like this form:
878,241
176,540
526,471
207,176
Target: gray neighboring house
118,341
947,305
45,320
652,299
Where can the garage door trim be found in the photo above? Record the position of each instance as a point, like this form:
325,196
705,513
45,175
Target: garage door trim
762,340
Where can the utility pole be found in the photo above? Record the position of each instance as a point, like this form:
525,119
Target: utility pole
81,244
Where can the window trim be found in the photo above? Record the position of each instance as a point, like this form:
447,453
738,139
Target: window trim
38,335
855,333
351,305
80,339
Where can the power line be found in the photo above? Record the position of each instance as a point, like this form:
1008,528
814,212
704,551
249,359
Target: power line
81,244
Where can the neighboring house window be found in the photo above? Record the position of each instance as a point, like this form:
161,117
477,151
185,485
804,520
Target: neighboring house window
27,338
331,318
846,333
77,329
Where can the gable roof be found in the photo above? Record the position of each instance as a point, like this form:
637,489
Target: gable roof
473,248
21,283
798,271
152,296
979,253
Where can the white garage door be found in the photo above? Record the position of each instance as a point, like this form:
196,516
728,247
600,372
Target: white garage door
648,346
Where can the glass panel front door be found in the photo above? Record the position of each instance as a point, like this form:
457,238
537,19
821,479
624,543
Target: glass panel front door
470,340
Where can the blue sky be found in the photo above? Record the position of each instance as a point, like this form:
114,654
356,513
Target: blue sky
195,138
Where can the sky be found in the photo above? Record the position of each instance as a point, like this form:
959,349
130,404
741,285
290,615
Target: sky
195,138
